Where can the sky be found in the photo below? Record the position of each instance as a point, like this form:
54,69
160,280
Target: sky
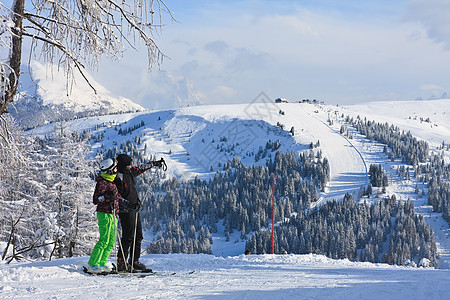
339,52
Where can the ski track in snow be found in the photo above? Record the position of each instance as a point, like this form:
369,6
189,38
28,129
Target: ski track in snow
348,166
238,277
263,276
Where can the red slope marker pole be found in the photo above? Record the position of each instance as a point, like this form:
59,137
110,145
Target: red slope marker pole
273,209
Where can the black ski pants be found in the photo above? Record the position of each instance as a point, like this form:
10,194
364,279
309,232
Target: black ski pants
128,222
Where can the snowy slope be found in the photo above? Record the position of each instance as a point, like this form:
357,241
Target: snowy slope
189,138
411,116
407,116
192,140
239,277
46,96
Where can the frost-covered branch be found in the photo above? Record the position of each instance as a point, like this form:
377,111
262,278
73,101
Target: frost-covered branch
13,27
75,34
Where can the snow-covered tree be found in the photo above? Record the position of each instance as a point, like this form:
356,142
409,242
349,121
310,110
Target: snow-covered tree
73,33
16,191
45,190
66,175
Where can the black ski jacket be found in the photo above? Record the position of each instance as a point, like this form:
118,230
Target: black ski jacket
126,187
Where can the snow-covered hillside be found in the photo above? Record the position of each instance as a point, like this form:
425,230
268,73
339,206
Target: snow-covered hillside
46,96
197,141
238,277
428,120
194,140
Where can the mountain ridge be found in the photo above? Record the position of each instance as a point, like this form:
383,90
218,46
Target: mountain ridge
46,95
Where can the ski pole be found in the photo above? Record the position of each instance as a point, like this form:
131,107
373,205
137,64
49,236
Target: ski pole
117,237
115,232
163,164
134,240
121,250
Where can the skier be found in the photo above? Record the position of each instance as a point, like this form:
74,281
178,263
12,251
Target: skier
107,200
130,219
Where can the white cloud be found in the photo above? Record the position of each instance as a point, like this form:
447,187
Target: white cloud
217,47
431,87
296,24
231,55
224,91
434,16
163,90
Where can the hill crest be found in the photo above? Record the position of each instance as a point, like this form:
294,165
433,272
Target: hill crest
45,96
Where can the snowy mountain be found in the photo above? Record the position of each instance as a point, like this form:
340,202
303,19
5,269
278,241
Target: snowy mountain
194,139
197,141
47,96
170,90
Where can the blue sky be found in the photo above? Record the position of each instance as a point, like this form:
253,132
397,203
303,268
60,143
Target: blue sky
341,52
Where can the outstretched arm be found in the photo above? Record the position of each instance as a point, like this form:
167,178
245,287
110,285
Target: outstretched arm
135,171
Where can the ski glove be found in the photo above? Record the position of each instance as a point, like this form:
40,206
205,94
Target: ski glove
160,164
157,163
123,202
109,194
146,166
134,206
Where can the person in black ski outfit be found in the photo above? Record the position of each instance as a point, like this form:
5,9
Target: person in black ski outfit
130,219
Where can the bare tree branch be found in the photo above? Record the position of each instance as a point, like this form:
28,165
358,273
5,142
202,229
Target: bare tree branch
77,33
12,232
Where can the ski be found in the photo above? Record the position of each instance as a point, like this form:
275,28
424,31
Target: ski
154,273
136,274
145,274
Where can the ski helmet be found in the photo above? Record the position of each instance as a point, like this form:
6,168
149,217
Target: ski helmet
123,161
108,165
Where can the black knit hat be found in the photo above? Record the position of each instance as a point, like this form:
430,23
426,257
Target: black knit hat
123,161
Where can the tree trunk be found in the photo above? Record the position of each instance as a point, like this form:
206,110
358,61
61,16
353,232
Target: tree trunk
15,57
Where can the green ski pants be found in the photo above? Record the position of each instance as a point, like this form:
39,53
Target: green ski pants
101,251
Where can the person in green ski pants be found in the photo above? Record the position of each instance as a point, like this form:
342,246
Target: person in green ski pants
107,200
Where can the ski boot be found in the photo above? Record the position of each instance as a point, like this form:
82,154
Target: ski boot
98,269
137,266
122,266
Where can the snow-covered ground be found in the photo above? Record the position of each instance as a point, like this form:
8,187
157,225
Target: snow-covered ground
190,138
427,120
238,277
